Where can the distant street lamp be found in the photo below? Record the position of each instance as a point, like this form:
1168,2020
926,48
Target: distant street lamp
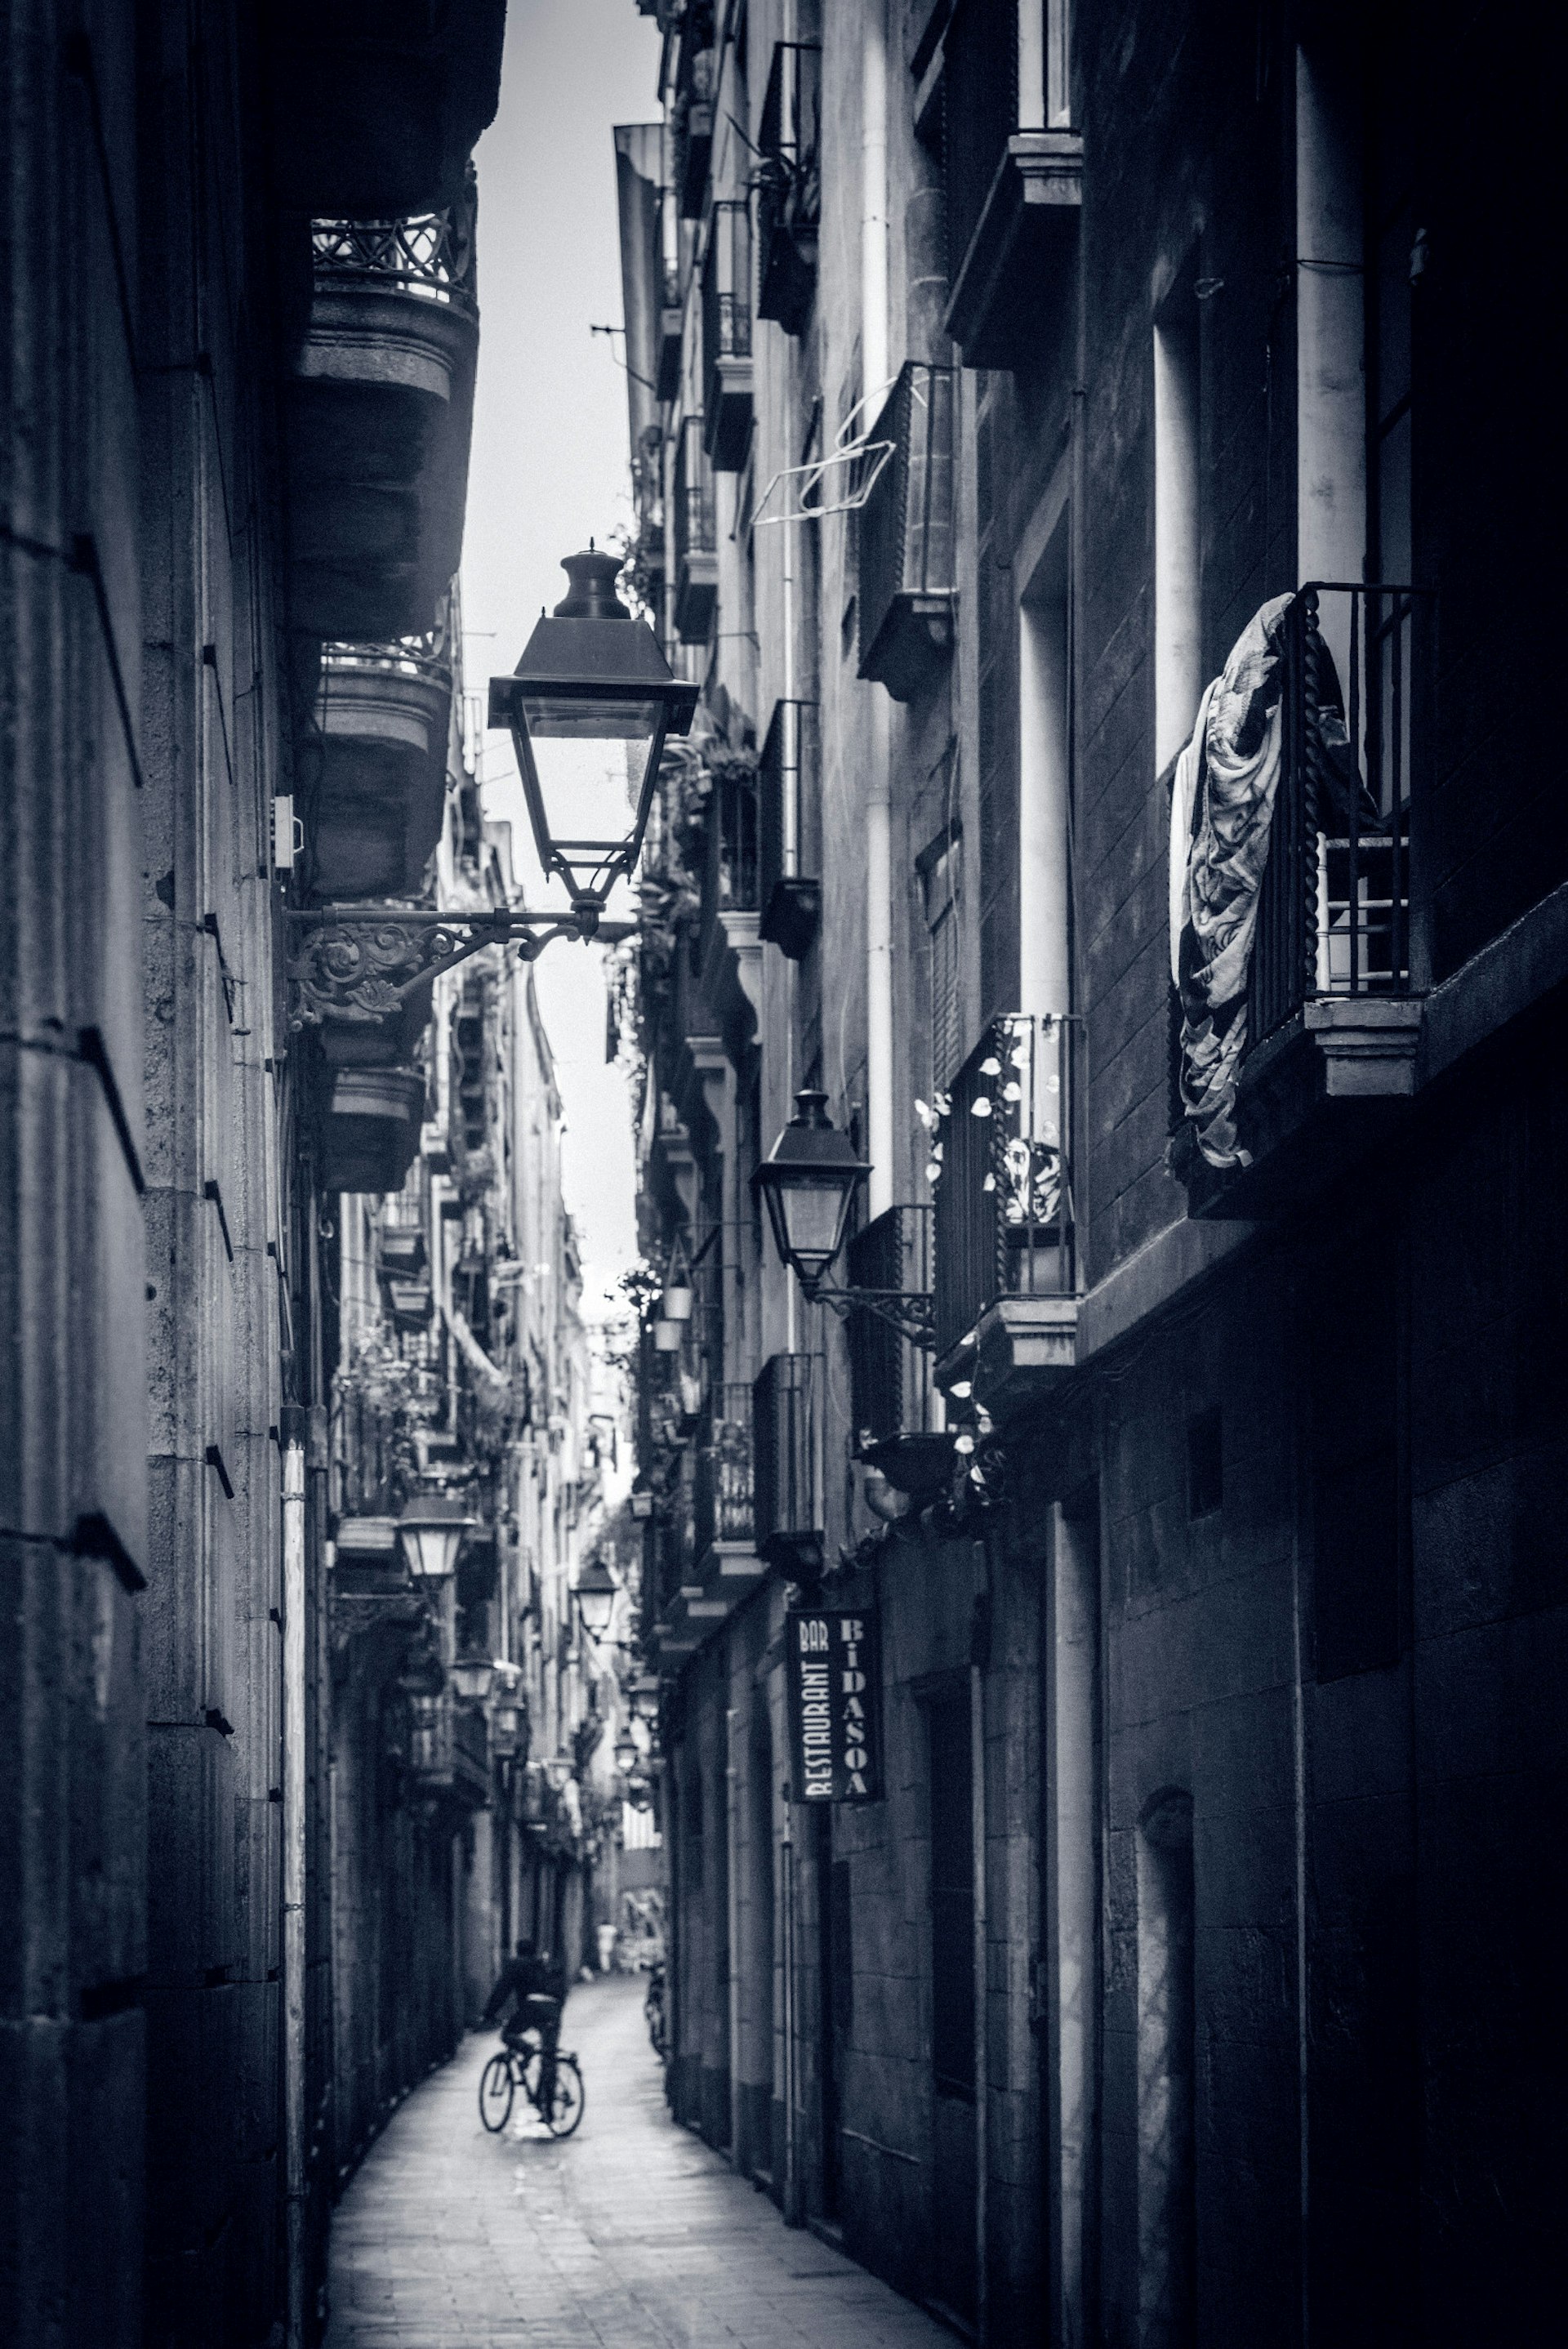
432,1530
809,1180
628,1753
644,1693
472,1677
596,1593
589,707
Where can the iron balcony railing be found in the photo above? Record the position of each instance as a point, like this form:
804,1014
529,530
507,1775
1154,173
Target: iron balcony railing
727,288
907,574
427,656
694,526
891,1392
725,1492
980,113
730,865
788,1508
431,257
1004,1213
1334,902
789,185
788,888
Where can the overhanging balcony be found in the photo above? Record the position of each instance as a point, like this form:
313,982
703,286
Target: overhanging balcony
695,538
1014,188
369,1128
789,893
1006,1254
726,335
893,1400
379,413
788,1495
375,109
1336,978
724,1495
907,575
789,185
384,716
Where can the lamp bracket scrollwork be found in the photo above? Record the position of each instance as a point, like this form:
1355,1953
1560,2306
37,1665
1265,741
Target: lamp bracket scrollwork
911,1311
363,963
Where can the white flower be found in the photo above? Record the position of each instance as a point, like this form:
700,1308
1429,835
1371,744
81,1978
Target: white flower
981,1108
964,1443
990,1066
989,1183
962,1388
1012,1091
932,1171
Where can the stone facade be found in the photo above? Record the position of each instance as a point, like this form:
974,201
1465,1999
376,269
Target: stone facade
1181,1982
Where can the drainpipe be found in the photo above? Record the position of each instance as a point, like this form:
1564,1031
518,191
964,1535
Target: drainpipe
732,1926
293,1788
794,2211
879,848
979,1645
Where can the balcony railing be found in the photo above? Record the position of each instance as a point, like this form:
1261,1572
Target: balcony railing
789,185
1005,1215
730,866
431,257
1334,904
788,1520
907,575
427,656
696,536
890,1393
726,334
725,1496
788,891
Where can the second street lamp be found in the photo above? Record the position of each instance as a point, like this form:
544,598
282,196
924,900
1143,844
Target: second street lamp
809,1180
432,1530
589,707
596,1593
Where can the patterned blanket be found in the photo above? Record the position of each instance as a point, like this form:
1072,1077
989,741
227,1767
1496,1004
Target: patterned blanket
1222,805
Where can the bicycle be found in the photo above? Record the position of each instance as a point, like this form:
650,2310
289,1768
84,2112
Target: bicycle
653,2009
511,2068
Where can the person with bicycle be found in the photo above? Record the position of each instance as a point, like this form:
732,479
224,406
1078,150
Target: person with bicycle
533,1985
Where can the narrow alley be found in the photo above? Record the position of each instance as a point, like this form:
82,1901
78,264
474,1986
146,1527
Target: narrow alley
630,2232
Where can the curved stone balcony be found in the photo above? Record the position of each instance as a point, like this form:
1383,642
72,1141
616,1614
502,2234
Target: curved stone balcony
379,411
370,1129
383,717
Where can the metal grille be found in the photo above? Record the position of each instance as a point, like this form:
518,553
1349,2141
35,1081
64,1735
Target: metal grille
695,531
1005,1215
1334,906
788,1502
906,542
725,1484
730,868
788,184
429,257
890,1374
727,288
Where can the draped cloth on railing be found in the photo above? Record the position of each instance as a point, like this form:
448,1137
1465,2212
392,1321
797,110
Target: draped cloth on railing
1222,805
493,1385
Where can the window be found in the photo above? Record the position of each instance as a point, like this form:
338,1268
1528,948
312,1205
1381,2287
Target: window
1178,519
939,871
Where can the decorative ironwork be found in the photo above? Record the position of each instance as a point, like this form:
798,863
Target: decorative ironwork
427,656
363,963
430,256
1006,1223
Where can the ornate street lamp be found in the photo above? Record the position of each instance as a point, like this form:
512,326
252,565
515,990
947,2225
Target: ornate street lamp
676,1302
644,1693
472,1676
809,1181
628,1753
596,1593
432,1530
589,706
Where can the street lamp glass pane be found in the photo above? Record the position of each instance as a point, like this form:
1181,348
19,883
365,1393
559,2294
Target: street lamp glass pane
590,758
811,1218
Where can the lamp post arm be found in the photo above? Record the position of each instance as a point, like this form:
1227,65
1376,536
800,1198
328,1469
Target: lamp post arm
911,1311
364,962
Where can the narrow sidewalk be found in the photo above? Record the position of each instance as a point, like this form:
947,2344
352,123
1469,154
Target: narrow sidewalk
630,2233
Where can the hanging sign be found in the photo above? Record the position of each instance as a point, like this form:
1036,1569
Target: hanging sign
830,1659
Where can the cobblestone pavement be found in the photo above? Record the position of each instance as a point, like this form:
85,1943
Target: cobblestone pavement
631,2233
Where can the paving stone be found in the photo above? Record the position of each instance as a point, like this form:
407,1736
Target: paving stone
631,2235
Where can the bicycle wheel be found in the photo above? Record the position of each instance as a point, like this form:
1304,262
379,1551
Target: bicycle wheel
566,2104
566,2109
496,2087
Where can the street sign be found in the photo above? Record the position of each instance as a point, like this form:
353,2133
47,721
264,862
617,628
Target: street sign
834,1679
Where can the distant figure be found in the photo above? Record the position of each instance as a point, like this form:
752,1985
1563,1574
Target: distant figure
531,1983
